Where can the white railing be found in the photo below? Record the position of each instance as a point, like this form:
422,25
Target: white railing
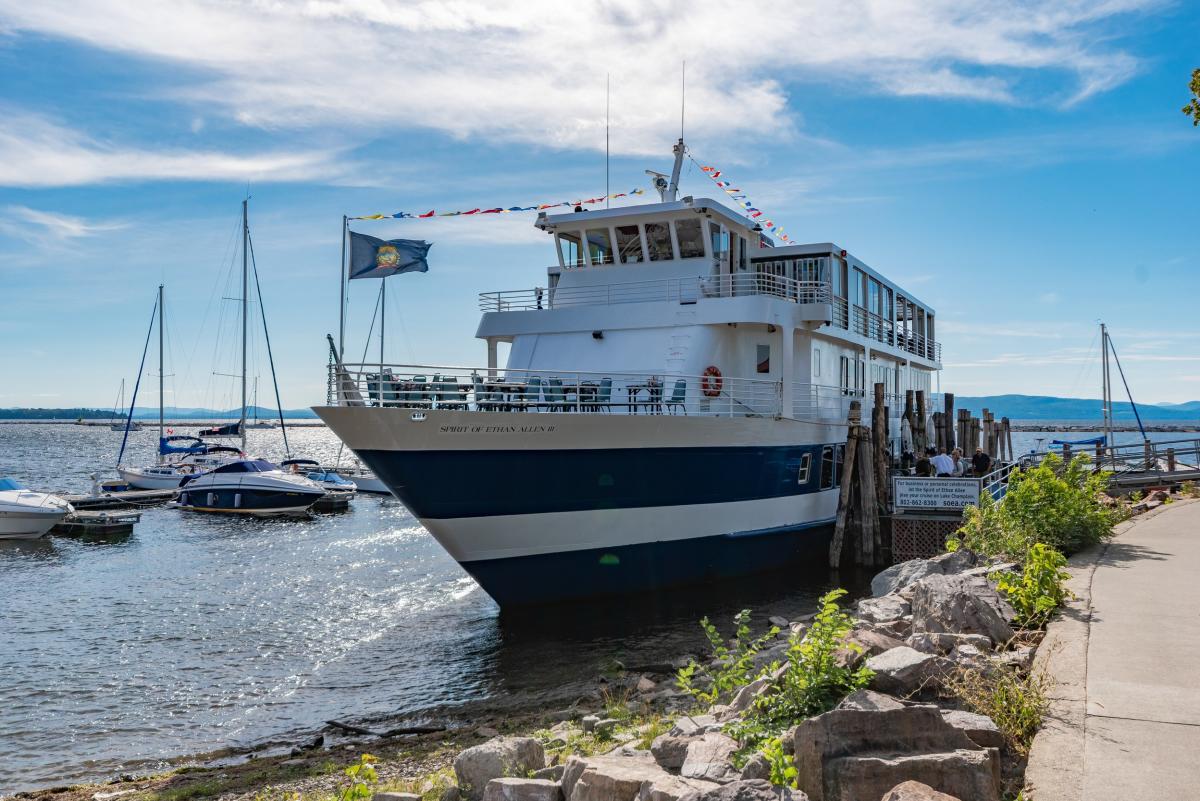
554,391
674,290
872,326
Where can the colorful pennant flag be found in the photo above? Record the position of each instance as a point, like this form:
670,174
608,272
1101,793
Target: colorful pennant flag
404,215
744,201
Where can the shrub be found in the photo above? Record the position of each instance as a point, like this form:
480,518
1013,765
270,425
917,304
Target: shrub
1040,589
814,681
783,767
732,665
1015,702
1189,489
361,778
1054,504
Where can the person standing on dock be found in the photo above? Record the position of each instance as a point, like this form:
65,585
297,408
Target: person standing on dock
924,467
943,465
960,464
981,462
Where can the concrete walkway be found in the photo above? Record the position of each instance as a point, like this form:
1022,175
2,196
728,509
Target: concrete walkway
1125,660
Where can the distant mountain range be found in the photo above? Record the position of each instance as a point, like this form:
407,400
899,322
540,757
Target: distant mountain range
1014,407
139,413
1043,407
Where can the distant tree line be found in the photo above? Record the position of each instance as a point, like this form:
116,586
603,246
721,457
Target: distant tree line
55,414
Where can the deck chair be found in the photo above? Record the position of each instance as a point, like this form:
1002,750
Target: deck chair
678,395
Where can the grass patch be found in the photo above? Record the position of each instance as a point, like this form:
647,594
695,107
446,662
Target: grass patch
1015,702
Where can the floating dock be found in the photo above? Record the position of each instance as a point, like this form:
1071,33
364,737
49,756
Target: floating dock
121,499
97,523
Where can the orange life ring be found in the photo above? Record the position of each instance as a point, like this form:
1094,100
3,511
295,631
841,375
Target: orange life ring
712,382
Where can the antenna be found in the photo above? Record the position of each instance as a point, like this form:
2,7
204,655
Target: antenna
607,107
682,96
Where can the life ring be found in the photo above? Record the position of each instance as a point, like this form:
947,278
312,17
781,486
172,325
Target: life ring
712,382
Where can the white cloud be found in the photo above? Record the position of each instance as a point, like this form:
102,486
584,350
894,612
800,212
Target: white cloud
36,152
534,70
39,225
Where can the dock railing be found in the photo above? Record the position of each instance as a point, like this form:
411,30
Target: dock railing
553,391
672,290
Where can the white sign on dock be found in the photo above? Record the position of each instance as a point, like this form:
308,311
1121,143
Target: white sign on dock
935,493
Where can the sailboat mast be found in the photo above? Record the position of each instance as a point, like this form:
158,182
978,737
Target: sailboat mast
1107,378
245,308
160,370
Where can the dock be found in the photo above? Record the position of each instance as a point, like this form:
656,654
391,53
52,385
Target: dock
119,499
97,523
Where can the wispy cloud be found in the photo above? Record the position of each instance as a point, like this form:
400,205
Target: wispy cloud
533,70
37,152
37,225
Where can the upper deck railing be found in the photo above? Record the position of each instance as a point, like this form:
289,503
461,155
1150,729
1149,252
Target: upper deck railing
674,290
511,390
881,329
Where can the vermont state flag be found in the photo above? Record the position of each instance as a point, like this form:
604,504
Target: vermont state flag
379,258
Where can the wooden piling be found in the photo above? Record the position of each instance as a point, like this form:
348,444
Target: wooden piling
920,435
881,463
1170,460
948,416
846,491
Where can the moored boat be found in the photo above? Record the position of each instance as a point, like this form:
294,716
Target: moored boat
25,514
672,409
249,486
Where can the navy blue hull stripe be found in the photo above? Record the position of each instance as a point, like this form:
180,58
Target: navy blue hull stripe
251,500
451,484
620,571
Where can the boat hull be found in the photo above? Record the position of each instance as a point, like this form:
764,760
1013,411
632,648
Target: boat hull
22,525
549,507
146,481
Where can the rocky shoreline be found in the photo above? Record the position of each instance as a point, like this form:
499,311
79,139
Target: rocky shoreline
638,737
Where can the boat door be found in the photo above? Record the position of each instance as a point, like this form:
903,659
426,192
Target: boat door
722,256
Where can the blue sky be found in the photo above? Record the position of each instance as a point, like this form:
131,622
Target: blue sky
1024,168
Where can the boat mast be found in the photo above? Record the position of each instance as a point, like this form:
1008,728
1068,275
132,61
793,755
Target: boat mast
1107,379
160,371
245,309
382,320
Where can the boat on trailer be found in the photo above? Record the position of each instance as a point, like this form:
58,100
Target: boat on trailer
672,410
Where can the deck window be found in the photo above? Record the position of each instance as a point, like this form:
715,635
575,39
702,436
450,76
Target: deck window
691,238
570,247
629,244
658,240
763,359
827,468
805,468
599,248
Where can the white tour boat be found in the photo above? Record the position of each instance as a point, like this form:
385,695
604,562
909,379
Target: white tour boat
672,409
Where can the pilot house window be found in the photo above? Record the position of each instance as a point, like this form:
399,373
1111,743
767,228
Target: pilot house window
658,239
571,249
599,249
629,244
691,239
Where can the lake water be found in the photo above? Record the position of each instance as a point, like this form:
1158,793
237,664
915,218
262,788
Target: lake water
199,632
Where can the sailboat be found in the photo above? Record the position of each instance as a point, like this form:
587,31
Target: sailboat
127,421
256,423
248,486
178,456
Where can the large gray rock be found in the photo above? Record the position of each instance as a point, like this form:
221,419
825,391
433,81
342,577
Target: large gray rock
961,774
513,789
669,751
883,610
385,796
897,577
868,642
982,730
904,671
497,758
628,777
961,605
745,696
954,562
869,701
933,642
767,656
752,790
915,791
692,725
756,767
826,745
710,757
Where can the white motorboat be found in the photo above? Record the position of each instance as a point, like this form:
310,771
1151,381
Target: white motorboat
364,479
673,408
250,486
28,515
328,477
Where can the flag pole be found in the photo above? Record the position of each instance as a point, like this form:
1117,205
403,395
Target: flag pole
342,292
